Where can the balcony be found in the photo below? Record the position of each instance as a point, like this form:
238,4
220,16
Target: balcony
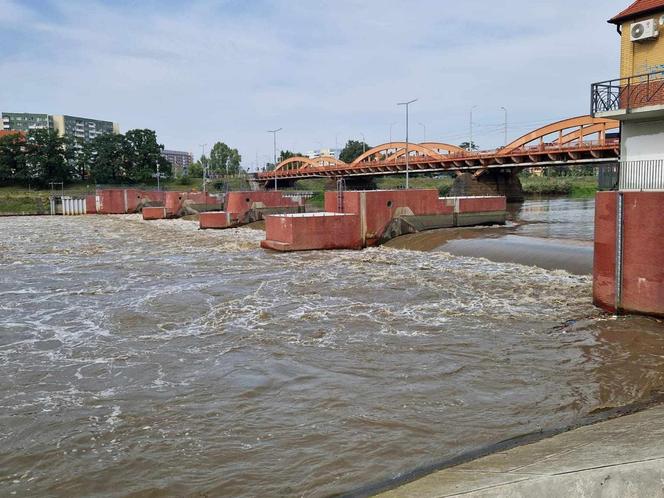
623,97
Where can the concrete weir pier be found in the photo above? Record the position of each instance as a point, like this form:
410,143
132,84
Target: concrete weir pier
242,208
629,260
357,219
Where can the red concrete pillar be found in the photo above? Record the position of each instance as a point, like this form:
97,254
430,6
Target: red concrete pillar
90,204
643,253
628,268
604,259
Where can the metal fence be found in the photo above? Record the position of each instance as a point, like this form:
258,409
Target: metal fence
627,93
608,176
642,175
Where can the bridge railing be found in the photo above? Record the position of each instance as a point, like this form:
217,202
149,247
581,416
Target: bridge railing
545,147
627,93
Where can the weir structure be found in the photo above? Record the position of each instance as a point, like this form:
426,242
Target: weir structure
628,273
154,203
241,208
575,141
358,219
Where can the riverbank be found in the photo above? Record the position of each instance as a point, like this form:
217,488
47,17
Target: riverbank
533,186
573,186
616,457
27,201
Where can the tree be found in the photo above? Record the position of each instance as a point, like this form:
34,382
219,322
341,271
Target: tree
196,168
12,159
353,150
287,154
144,155
85,157
468,146
107,158
224,160
47,157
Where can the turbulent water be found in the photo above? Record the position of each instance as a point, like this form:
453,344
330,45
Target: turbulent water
150,358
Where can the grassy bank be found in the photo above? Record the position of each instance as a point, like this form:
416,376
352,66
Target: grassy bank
572,186
443,185
17,200
23,204
319,185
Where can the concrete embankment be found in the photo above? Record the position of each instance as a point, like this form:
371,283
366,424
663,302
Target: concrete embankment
618,457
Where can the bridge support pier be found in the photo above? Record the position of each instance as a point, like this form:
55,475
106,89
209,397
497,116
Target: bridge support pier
281,183
353,183
493,182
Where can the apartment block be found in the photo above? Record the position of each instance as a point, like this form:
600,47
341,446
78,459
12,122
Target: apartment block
180,160
82,129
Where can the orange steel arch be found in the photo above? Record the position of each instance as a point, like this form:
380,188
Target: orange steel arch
322,161
400,148
437,146
300,162
601,128
559,126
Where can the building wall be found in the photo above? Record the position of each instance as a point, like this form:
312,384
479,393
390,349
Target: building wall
179,159
83,129
642,140
641,57
25,121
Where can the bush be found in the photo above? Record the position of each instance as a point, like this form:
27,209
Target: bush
318,199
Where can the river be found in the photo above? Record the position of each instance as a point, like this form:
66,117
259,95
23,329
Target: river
151,358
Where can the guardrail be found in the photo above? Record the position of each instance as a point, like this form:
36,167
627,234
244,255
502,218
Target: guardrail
627,93
642,175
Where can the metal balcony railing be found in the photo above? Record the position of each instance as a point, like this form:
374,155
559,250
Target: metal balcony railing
627,93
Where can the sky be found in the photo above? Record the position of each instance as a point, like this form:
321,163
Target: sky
325,71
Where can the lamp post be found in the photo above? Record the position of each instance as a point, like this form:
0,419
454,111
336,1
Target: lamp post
406,105
424,131
364,143
202,146
470,143
505,125
274,136
391,125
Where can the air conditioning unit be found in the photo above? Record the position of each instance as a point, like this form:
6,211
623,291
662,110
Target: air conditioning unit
644,30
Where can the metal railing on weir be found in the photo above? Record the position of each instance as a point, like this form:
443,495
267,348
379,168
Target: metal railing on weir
642,175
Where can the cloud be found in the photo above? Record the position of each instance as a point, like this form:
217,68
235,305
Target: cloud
325,71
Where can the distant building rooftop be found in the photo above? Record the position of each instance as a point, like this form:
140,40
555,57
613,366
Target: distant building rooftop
10,132
637,9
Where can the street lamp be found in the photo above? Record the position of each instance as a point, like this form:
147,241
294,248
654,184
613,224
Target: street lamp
424,128
202,146
470,143
391,125
364,143
274,135
505,126
406,105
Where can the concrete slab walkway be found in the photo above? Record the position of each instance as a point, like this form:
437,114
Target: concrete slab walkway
622,457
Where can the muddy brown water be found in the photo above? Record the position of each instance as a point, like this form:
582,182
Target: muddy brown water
154,359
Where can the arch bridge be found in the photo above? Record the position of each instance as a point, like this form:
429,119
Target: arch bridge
575,141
